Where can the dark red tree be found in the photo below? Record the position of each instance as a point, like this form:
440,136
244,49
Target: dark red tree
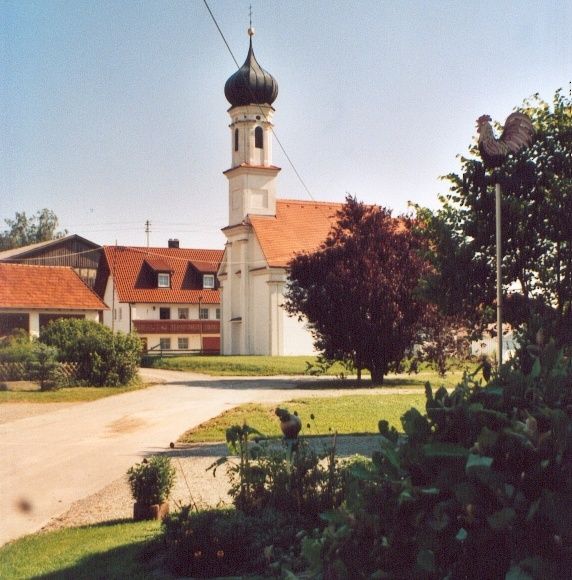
359,291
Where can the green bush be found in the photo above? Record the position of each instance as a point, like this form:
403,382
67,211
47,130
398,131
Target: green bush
104,358
226,542
479,487
44,368
287,475
152,480
38,362
17,347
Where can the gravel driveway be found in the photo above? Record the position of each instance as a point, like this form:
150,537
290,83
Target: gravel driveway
193,483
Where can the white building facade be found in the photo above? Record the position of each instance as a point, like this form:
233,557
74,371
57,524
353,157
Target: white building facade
169,296
263,232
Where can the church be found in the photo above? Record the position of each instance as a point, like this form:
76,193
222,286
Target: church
263,231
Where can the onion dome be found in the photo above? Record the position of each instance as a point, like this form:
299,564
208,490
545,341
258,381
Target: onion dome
251,84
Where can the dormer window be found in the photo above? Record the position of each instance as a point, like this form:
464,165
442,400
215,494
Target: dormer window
208,281
163,280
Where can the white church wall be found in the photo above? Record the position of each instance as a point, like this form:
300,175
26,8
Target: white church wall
260,327
297,338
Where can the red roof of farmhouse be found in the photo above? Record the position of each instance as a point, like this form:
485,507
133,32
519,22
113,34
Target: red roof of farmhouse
45,287
135,269
299,226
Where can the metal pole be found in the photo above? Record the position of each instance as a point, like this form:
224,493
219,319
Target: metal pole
200,326
498,220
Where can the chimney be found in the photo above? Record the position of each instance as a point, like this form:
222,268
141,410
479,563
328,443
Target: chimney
174,243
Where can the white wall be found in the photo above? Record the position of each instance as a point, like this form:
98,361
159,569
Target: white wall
153,340
118,315
297,338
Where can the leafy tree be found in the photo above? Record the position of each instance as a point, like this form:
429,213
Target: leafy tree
358,291
104,358
24,230
537,229
445,340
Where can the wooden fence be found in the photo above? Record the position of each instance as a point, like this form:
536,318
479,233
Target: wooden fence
18,371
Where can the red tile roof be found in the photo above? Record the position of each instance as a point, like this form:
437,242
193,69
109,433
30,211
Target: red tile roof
135,274
158,264
297,227
45,287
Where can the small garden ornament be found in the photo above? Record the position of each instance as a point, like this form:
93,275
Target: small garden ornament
151,483
290,424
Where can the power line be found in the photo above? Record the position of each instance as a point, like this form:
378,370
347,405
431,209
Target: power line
283,149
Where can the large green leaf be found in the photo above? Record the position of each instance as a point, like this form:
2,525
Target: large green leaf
502,519
445,450
517,573
425,561
476,462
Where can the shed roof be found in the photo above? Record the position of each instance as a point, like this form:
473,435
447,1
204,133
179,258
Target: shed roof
33,249
45,287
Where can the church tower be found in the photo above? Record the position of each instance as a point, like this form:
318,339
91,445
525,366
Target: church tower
252,178
245,279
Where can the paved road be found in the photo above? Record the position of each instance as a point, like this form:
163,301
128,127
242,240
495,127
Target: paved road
48,461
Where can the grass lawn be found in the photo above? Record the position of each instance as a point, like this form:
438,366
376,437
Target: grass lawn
348,415
112,551
20,392
276,365
241,365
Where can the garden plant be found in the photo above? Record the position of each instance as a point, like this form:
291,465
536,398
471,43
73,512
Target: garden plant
151,482
478,486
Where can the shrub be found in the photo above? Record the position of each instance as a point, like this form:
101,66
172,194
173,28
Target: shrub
479,487
103,358
289,476
28,359
17,347
152,480
44,367
224,542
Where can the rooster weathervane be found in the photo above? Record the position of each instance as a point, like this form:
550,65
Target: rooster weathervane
518,132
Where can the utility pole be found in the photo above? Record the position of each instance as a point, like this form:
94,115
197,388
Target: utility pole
147,230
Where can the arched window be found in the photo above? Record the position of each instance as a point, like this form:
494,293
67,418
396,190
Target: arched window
236,139
258,138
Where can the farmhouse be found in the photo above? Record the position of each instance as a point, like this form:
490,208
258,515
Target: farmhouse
32,296
263,232
170,295
74,251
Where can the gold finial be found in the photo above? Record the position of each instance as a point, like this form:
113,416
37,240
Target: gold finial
250,29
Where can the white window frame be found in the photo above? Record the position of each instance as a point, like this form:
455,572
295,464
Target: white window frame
167,340
208,281
184,312
205,311
186,339
163,280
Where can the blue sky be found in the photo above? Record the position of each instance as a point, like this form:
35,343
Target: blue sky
113,112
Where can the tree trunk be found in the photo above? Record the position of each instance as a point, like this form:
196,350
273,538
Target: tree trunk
377,375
